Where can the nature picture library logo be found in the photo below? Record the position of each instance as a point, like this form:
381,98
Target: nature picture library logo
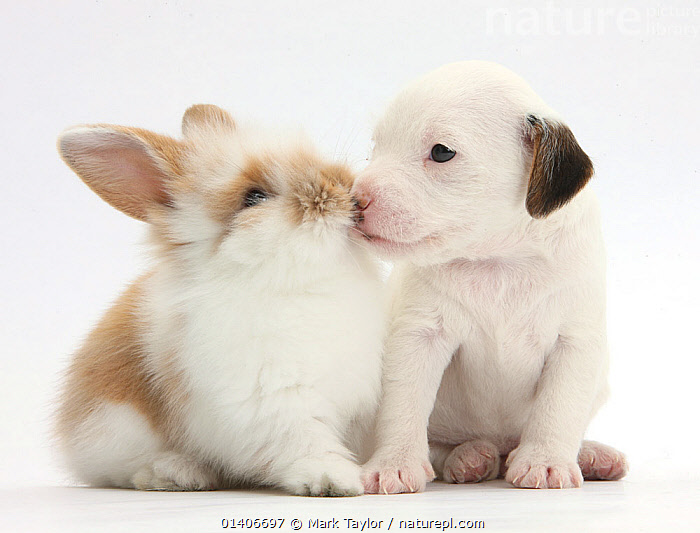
554,20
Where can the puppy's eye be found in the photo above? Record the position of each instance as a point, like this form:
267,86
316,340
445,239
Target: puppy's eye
441,153
254,197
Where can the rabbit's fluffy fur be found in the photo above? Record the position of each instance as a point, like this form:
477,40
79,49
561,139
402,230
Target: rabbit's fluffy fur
251,353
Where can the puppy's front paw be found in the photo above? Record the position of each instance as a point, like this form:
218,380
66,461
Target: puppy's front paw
328,476
601,462
530,470
471,462
394,476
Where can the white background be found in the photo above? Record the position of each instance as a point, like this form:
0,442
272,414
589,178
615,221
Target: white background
626,78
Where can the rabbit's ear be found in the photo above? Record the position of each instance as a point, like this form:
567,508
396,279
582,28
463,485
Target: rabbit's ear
206,117
129,168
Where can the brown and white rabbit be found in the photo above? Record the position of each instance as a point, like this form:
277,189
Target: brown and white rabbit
251,353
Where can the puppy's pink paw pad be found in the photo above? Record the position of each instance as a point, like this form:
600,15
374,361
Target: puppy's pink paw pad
472,462
600,462
535,471
406,477
370,480
545,477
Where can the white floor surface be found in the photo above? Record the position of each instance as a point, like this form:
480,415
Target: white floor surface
635,504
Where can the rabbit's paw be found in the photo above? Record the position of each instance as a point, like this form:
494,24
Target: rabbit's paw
174,472
329,476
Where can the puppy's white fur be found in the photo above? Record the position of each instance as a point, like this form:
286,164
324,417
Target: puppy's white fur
497,341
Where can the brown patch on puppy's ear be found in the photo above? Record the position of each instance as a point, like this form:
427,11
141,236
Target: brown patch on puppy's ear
129,168
206,117
560,167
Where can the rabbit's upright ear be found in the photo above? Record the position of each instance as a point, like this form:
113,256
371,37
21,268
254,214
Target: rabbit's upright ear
206,117
130,168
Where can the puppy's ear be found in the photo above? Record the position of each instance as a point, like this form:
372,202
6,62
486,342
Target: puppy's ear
206,117
130,168
560,168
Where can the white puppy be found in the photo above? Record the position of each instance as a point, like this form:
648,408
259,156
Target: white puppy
497,345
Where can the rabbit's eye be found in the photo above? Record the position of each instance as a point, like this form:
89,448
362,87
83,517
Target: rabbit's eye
254,197
441,153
